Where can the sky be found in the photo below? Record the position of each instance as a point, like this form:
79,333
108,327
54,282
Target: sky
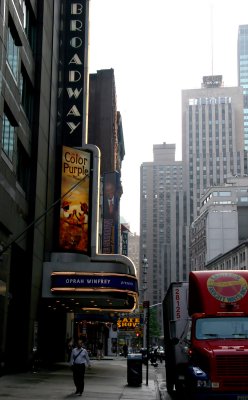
157,48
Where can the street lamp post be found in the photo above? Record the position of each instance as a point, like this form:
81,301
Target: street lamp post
146,307
146,313
144,271
144,289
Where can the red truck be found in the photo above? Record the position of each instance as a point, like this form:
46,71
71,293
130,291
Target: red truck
206,335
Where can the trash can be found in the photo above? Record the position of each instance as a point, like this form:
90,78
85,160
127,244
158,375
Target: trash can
134,369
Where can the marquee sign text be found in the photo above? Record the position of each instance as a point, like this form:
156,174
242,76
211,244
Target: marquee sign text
85,282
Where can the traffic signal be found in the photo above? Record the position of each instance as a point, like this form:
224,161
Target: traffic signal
137,334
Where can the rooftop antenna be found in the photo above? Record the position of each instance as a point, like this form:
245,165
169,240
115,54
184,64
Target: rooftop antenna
212,38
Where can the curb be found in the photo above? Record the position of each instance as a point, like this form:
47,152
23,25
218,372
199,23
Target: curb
161,387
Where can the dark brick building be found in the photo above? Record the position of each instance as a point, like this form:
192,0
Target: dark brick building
105,123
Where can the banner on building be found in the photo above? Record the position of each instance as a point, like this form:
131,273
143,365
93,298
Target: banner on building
75,201
111,200
124,235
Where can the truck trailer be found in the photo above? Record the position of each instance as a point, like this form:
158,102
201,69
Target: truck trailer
206,335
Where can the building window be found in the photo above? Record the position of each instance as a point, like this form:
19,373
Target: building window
26,90
8,137
29,23
223,194
23,166
13,43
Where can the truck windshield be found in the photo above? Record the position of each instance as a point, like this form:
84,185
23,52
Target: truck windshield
222,327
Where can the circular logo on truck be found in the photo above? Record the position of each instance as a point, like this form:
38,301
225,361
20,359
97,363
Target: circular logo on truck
227,287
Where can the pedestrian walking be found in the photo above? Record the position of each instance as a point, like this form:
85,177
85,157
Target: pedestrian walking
68,348
78,361
99,350
125,350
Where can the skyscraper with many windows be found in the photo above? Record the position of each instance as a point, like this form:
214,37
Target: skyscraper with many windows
243,74
163,240
212,138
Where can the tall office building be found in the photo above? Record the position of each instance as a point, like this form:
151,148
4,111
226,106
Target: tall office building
163,240
28,115
243,73
212,138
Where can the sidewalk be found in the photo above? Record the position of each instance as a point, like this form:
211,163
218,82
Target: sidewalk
106,380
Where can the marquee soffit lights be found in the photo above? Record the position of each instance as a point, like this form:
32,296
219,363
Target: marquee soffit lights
97,289
93,274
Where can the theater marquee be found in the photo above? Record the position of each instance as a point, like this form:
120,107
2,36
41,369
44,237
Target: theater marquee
77,278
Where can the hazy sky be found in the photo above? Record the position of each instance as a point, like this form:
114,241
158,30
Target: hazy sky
157,48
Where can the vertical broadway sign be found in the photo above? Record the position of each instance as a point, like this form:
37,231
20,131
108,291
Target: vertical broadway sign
74,44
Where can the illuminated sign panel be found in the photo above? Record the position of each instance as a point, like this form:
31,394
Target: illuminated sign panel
128,323
68,281
111,199
75,200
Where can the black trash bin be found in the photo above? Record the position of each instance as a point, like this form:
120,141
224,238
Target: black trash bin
134,369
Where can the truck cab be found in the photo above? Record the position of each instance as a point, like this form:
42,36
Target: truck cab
208,358
217,348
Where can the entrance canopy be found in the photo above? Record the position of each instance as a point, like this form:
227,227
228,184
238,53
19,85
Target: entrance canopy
77,283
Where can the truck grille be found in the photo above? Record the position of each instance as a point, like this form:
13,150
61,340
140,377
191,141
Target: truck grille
232,365
232,371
